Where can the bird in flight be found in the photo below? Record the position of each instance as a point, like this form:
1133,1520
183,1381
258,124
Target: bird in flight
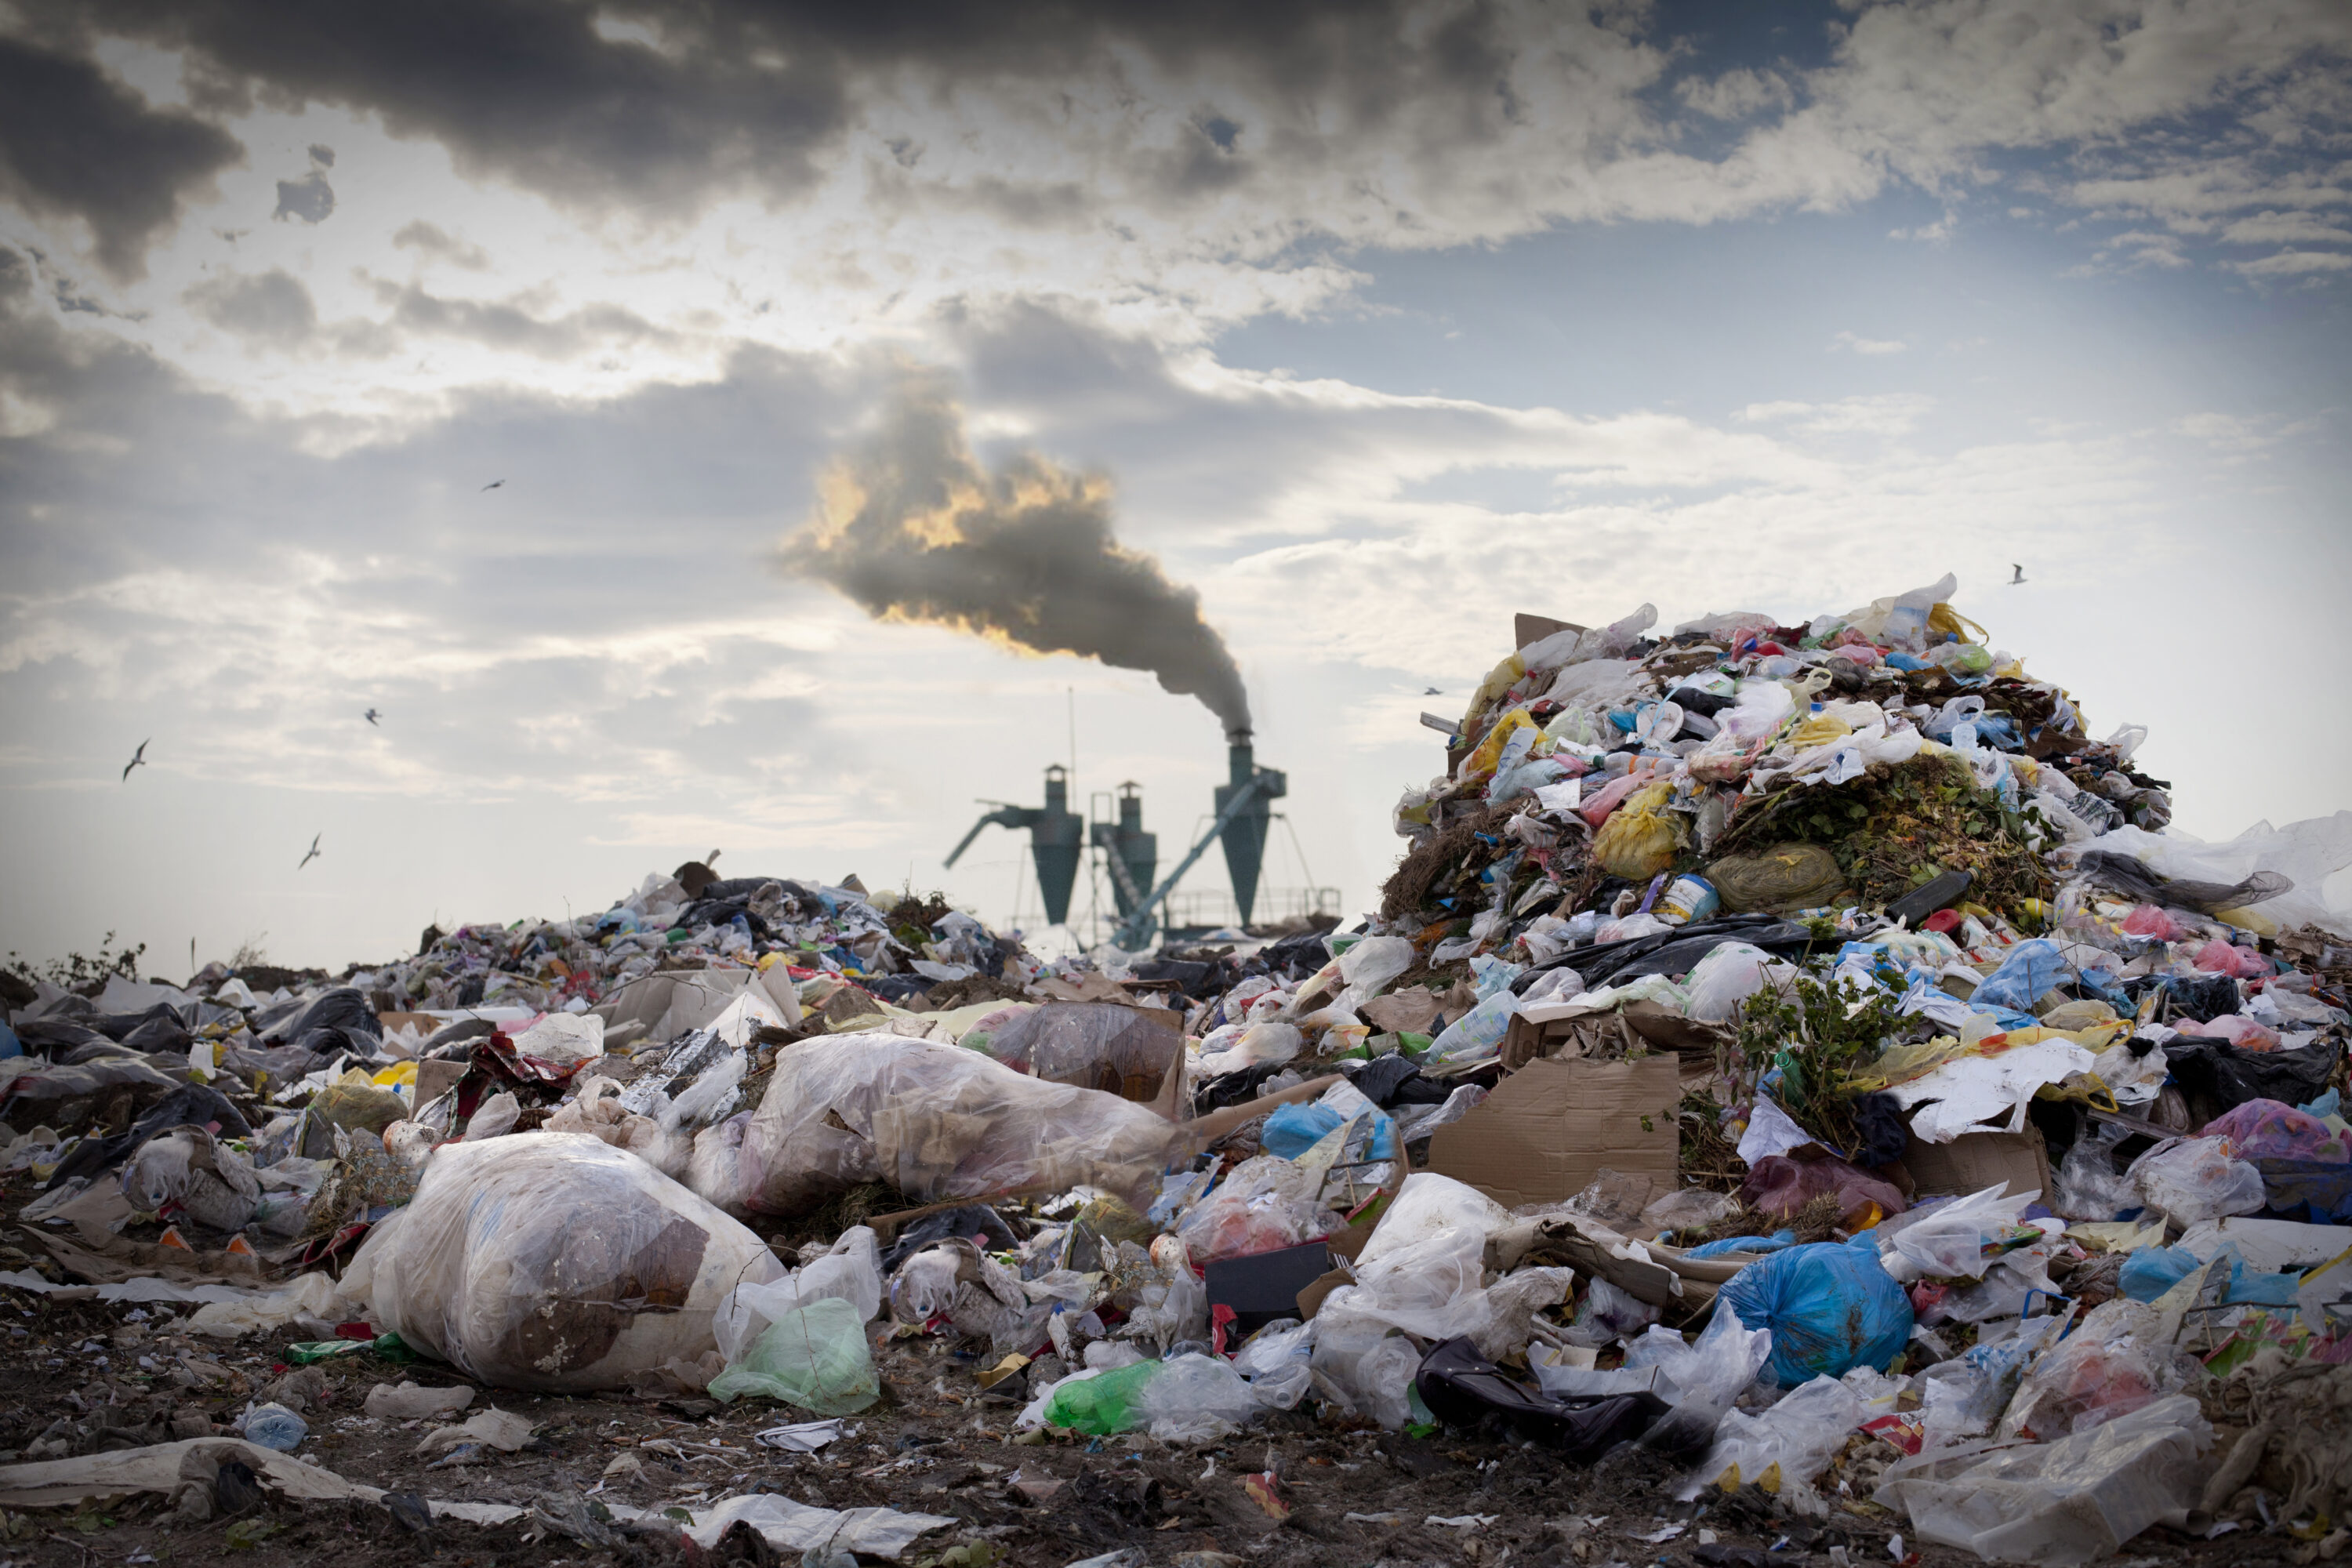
2014,582
1433,691
313,855
494,484
371,715
138,760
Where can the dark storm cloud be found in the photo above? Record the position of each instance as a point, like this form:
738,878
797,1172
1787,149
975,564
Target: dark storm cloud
732,95
273,309
75,143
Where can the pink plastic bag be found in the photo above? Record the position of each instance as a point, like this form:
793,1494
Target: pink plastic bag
2219,957
2246,1034
1601,802
2150,920
1782,1187
2272,1129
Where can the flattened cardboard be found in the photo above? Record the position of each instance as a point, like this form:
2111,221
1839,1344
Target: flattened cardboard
1528,628
436,1077
1548,1129
1975,1160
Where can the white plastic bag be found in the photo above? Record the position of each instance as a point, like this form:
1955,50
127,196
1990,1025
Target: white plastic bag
1798,1435
2192,1179
552,1261
1729,975
851,1271
1948,1243
1196,1398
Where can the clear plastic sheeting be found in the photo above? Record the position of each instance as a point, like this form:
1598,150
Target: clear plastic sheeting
2192,1179
552,1261
935,1122
851,1272
2057,1504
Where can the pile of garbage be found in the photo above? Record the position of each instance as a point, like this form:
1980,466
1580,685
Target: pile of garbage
1798,1051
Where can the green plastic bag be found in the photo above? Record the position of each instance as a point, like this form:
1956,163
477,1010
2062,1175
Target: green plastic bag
1100,1407
815,1356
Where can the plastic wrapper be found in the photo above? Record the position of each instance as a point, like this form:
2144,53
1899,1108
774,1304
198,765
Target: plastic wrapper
552,1261
1268,1042
1829,1309
1094,1045
936,1122
1463,1388
1783,878
814,1356
1170,1303
2269,1130
1265,1203
1726,977
1699,1380
850,1272
925,1285
1364,1359
2062,1503
1965,1396
1478,1033
2192,1179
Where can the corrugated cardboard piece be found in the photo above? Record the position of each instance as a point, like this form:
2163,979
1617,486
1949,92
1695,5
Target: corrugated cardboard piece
1547,1129
1975,1160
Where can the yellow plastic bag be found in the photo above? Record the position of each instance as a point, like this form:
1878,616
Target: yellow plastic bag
1641,837
1480,763
1818,729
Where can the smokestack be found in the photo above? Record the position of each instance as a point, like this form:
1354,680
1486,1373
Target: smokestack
909,525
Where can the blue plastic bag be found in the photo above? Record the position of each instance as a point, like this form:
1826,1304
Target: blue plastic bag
1778,1241
1292,1130
2150,1271
2031,969
1831,1309
10,1046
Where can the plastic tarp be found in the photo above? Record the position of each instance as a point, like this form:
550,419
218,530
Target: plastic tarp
2315,854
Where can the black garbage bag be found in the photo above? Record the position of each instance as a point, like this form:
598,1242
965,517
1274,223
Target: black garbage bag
190,1105
123,1026
53,1038
342,1008
1392,1080
157,1035
2203,997
1298,955
2217,1076
2136,878
1462,1388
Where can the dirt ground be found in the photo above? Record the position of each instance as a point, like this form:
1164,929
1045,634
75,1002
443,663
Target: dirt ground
92,1376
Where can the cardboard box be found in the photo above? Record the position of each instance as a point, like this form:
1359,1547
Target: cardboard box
434,1078
1551,1127
1975,1160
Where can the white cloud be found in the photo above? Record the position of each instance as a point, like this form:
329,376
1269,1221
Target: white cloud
1862,345
1881,413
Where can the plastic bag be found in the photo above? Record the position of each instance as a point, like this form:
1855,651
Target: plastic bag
1478,1033
2191,1178
1785,877
1641,837
1277,1361
1782,1187
2301,860
814,1356
1948,1242
1196,1398
1708,1375
1829,1308
2027,972
1798,1435
935,1122
1726,977
188,1171
2062,1503
552,1261
2110,1366
1965,1396
2272,1130
2089,1186
851,1272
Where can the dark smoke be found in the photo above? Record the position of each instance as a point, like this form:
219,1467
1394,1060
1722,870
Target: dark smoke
910,526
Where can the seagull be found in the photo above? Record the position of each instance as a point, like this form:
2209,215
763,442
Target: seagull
138,760
494,484
313,855
371,715
1433,691
2013,566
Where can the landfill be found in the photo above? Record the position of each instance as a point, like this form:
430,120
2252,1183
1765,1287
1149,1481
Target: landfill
1795,1101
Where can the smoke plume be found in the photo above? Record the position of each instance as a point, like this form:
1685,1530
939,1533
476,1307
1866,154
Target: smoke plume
909,525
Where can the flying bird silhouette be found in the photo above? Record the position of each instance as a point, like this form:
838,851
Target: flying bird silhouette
494,484
313,855
371,715
138,760
1433,691
2013,566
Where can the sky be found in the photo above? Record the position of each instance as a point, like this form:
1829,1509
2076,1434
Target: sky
1369,324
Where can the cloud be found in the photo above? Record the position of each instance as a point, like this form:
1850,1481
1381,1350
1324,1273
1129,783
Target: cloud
309,198
1735,94
1862,345
429,239
1883,413
272,309
77,144
510,325
2292,264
